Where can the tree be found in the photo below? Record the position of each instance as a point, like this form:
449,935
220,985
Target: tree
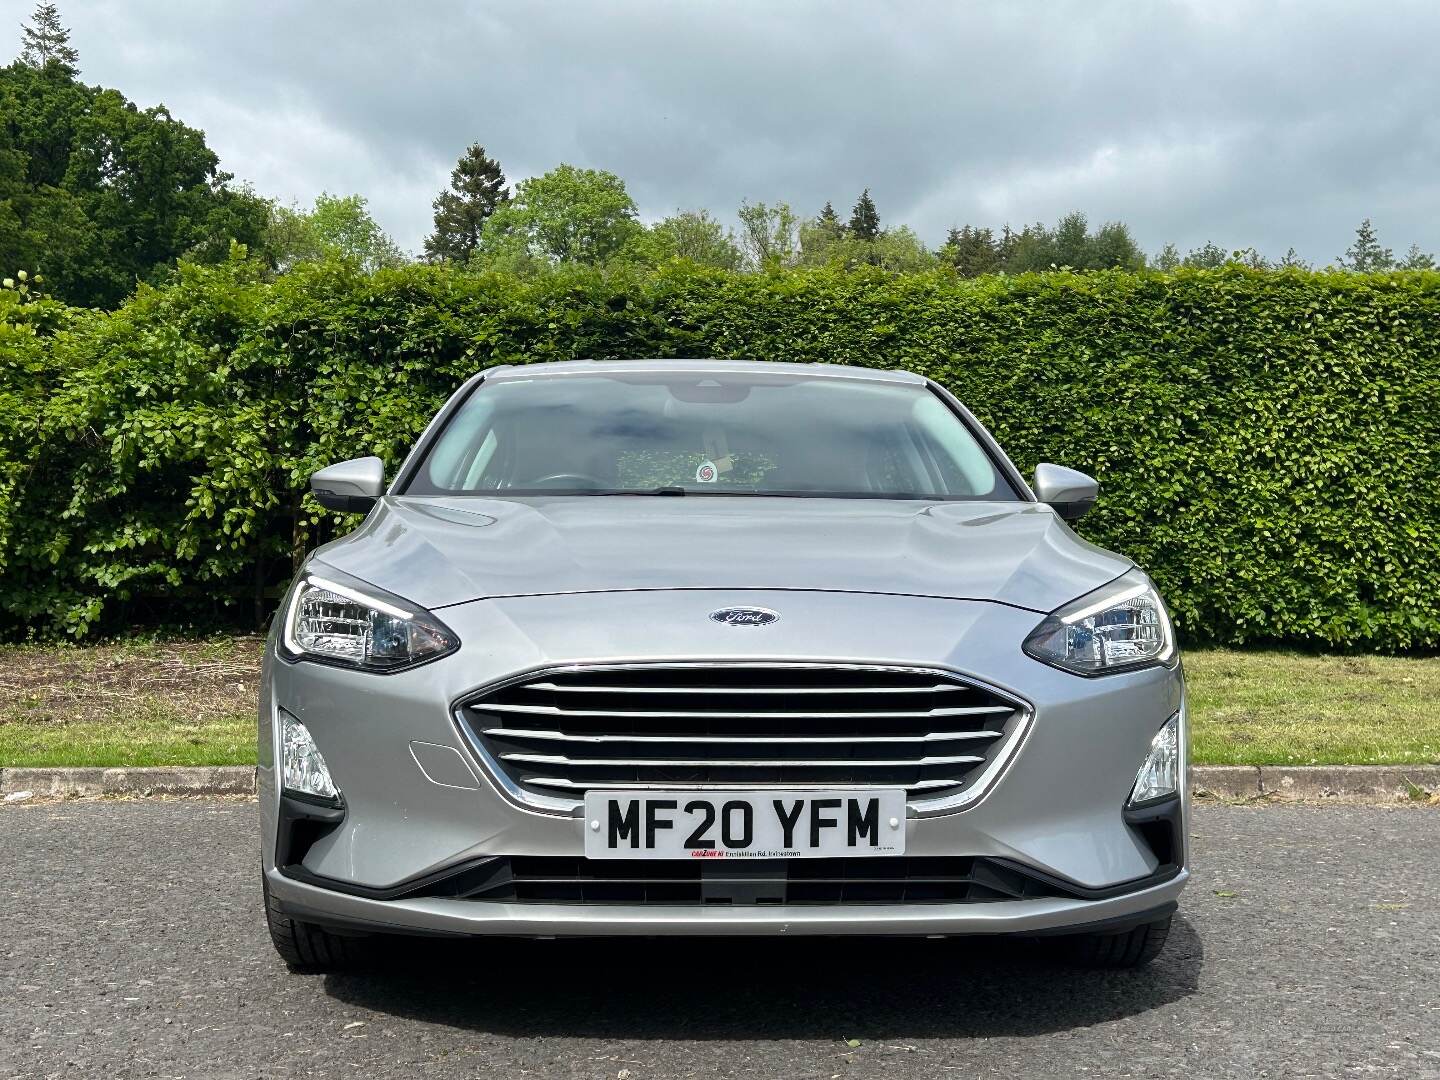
767,235
1071,241
972,251
1005,246
1112,247
1366,255
343,225
695,236
1168,259
1031,249
899,250
1415,259
477,189
819,238
1070,244
47,42
102,194
1250,257
338,227
864,218
1208,257
568,215
1292,261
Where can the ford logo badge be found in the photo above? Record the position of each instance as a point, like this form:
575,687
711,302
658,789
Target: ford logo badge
745,616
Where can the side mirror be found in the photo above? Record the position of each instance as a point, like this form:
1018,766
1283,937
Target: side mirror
352,486
1071,493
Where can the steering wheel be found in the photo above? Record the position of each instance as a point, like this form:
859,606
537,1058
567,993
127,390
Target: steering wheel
586,480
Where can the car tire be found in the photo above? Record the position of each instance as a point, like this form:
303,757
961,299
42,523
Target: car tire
306,947
1131,948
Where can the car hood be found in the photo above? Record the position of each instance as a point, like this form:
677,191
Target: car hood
438,552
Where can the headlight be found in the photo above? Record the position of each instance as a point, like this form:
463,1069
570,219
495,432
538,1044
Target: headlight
1119,627
1159,776
302,770
340,621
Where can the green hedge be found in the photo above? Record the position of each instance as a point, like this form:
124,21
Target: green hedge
1266,441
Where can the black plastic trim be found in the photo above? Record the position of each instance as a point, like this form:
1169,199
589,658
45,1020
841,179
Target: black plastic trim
1108,892
349,504
406,888
420,886
1160,823
303,820
1073,511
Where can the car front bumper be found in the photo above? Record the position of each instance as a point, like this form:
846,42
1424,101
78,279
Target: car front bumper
444,917
419,800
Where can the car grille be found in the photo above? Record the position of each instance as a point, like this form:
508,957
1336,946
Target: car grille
557,734
895,880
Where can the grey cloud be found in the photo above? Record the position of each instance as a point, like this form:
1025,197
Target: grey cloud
1243,123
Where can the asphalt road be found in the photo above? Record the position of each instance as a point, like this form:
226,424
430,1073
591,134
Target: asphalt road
131,944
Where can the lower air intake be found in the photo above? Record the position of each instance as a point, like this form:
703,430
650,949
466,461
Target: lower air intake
898,880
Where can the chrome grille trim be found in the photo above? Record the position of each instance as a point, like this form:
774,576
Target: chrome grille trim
738,690
640,714
737,763
571,785
685,725
538,735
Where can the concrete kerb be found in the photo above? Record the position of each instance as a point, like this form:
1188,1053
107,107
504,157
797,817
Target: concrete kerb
1319,783
158,780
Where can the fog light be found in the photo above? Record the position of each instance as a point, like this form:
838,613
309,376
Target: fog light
1160,775
304,770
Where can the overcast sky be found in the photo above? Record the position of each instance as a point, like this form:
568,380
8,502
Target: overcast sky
1239,122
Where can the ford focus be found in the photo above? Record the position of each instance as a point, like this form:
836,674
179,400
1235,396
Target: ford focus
718,648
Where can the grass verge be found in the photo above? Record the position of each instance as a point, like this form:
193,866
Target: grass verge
131,703
193,703
1281,708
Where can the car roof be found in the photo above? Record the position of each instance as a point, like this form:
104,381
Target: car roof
700,367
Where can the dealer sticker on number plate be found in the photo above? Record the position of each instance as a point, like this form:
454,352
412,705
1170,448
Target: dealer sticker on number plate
744,824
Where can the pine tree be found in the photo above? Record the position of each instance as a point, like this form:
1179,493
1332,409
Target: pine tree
47,42
972,251
865,219
1006,245
829,221
1365,254
1415,259
477,190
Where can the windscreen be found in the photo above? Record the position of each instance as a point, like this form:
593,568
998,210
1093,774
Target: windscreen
707,434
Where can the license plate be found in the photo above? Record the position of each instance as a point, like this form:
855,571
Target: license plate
744,824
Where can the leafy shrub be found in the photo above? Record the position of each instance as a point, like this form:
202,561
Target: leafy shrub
1267,441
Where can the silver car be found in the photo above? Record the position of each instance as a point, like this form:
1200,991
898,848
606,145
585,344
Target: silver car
706,647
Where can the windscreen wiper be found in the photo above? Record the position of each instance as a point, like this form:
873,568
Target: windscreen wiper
632,491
